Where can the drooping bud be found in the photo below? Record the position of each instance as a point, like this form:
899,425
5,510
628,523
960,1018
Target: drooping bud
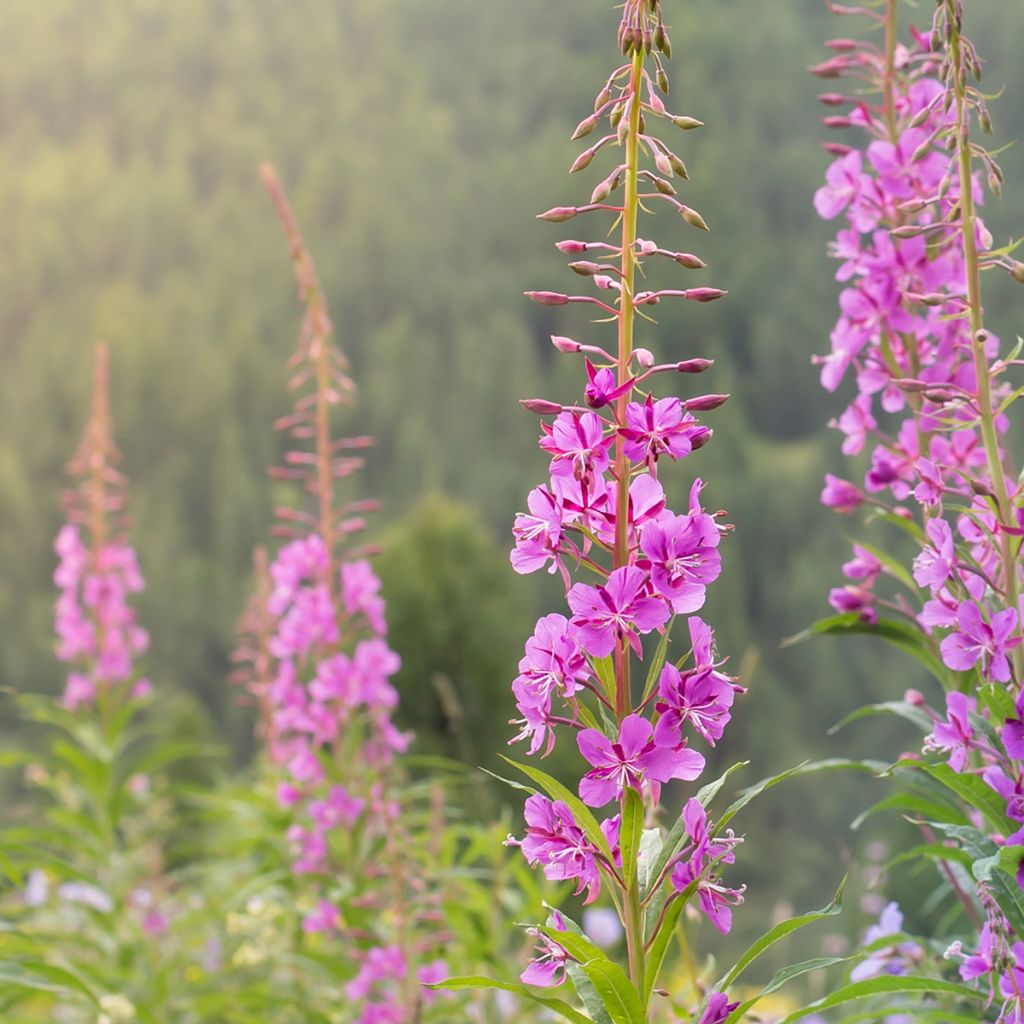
540,406
687,123
558,214
694,365
547,298
583,161
585,127
693,218
688,260
566,345
703,294
704,403
644,357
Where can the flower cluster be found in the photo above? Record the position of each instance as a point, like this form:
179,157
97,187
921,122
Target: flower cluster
932,401
320,669
630,564
97,573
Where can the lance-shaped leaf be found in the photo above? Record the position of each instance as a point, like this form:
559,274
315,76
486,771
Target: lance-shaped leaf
557,1006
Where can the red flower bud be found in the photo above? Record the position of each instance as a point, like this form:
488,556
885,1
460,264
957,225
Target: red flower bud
547,298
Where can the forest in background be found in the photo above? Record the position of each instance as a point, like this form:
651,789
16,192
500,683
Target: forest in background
418,140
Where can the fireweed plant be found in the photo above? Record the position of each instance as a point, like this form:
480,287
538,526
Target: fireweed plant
933,406
601,674
319,670
87,924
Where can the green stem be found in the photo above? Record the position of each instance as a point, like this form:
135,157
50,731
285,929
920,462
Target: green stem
990,437
633,913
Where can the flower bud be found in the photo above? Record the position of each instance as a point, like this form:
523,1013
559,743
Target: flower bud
1017,272
662,79
663,163
689,261
837,148
836,122
916,698
911,385
693,218
704,403
557,214
585,127
571,247
981,489
583,161
585,268
645,247
687,123
602,98
831,68
833,99
566,345
540,406
644,357
841,45
703,294
547,298
663,186
694,365
678,166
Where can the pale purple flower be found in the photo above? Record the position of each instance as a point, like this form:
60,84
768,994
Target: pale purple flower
538,532
895,959
548,969
841,495
936,562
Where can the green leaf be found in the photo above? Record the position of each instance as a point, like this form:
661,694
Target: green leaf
554,789
899,708
807,768
780,931
896,568
473,981
587,993
975,793
886,985
631,832
651,844
908,803
616,990
605,670
708,793
659,947
902,635
782,978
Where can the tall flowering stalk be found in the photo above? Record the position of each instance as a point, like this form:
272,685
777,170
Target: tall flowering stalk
319,668
602,673
97,631
934,406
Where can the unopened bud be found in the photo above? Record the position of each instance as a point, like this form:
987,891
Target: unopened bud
666,44
547,298
704,403
585,268
837,148
663,163
915,697
921,117
616,115
602,98
646,247
571,247
836,122
1017,272
995,186
829,68
687,123
605,282
985,120
557,214
930,298
585,127
911,385
540,406
981,489
912,206
694,365
604,189
664,186
566,345
644,357
703,294
646,299
833,99
940,395
841,45
693,218
583,161
907,231
662,79
678,166
688,260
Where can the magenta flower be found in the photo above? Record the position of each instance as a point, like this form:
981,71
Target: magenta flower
548,969
1012,791
702,696
955,734
632,760
602,386
553,662
683,557
718,1009
554,841
977,640
841,495
661,427
604,615
577,445
845,185
538,532
325,918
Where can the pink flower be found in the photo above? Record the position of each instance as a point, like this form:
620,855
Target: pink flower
631,761
603,615
977,640
955,734
841,495
577,445
684,558
538,532
661,427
